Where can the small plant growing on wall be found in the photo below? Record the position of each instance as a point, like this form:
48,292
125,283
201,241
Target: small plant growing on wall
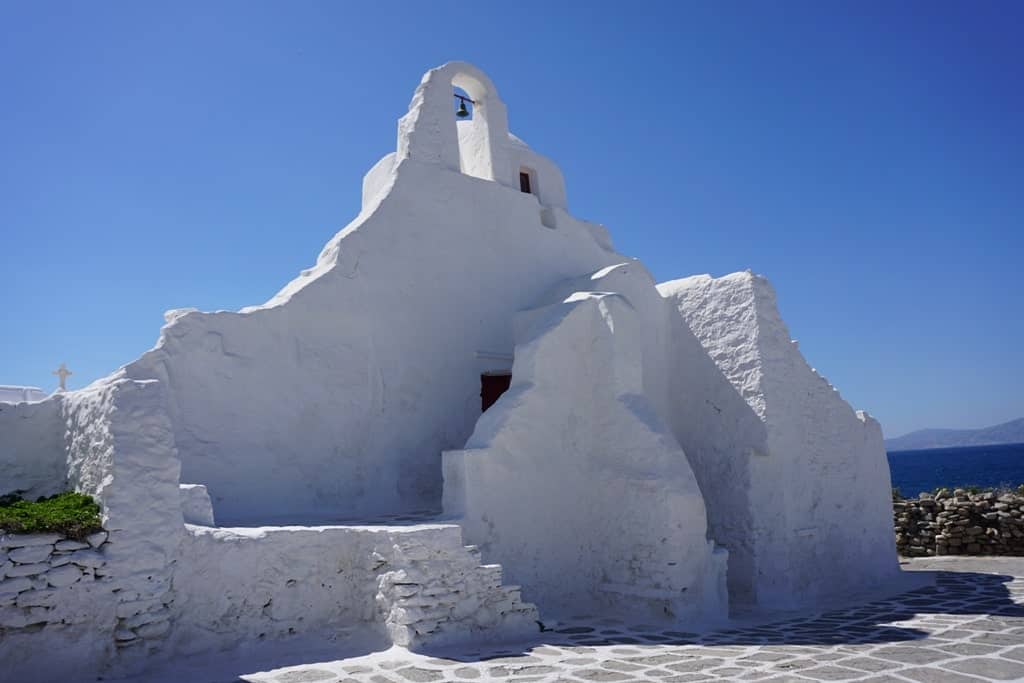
71,514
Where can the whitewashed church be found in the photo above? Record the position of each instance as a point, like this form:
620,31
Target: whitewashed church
471,415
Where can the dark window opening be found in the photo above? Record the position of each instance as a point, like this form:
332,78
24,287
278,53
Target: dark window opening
492,386
524,182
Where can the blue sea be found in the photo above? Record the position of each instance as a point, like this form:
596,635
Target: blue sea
927,470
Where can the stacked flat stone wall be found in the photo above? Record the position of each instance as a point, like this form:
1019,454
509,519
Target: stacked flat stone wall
442,595
42,574
960,523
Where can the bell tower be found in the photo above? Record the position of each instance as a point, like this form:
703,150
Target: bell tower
476,146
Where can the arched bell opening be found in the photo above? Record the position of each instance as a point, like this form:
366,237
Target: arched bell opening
476,147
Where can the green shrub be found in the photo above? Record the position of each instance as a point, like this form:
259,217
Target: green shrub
72,514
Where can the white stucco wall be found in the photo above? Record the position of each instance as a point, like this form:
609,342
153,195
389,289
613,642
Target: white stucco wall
573,483
415,586
121,451
32,456
811,489
712,423
375,353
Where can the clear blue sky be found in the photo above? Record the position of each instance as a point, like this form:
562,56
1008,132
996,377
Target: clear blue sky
868,157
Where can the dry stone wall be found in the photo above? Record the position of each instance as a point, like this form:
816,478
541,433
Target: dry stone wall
41,576
960,523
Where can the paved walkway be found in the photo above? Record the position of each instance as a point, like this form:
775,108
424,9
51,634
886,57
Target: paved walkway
966,626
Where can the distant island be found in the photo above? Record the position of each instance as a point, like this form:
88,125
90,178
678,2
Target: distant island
1008,432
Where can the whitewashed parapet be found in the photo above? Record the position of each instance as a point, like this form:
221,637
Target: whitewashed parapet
18,394
43,577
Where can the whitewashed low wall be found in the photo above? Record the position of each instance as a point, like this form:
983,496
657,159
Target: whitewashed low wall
416,586
12,394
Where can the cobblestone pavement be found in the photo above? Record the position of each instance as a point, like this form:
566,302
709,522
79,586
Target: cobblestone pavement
967,626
